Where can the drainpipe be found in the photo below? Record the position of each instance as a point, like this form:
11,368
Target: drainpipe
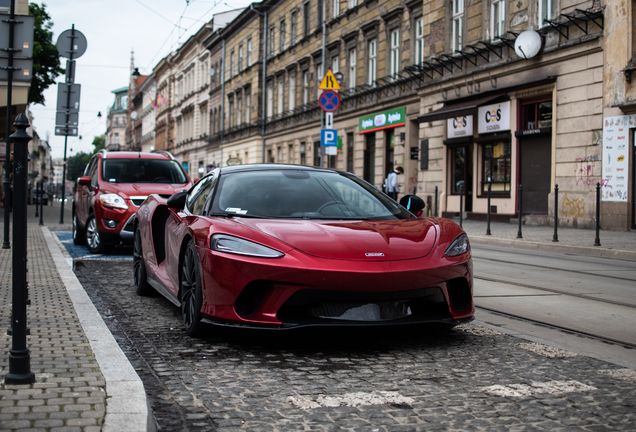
263,110
222,100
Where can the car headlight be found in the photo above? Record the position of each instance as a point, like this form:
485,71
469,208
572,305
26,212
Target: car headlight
113,200
461,245
235,245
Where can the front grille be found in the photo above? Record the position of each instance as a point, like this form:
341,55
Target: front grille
404,306
137,201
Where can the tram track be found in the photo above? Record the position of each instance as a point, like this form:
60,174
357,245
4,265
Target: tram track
564,329
556,291
579,272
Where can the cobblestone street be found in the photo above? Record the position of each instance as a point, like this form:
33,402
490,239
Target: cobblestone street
471,378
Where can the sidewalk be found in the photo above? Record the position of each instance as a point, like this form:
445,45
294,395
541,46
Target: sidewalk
573,241
84,381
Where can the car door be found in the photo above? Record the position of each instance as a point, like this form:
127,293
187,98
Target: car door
176,230
82,202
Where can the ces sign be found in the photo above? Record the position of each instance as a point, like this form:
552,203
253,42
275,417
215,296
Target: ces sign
494,118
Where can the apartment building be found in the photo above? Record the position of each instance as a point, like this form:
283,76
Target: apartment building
618,209
164,123
517,123
372,44
116,120
486,104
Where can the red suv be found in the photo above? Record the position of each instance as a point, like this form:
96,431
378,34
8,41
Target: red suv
113,187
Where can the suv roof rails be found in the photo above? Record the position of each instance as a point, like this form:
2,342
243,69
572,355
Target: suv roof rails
164,152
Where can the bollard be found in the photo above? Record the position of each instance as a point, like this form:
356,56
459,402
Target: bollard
597,240
37,204
41,203
19,356
520,221
488,214
435,214
461,205
555,237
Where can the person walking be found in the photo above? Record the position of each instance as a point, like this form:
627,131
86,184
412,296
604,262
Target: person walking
392,187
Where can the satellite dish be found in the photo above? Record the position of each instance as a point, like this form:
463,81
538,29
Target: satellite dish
528,44
133,115
211,71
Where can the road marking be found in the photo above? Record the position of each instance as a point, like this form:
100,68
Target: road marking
550,387
351,400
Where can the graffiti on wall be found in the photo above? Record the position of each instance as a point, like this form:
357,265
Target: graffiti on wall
573,207
584,171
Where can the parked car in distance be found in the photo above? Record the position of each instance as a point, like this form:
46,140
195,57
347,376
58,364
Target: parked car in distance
111,190
40,195
285,246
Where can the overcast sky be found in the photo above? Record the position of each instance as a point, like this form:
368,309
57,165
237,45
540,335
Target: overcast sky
114,28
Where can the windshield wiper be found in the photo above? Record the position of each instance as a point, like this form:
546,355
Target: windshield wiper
226,214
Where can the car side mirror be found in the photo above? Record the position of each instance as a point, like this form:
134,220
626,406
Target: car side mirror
177,201
84,181
412,203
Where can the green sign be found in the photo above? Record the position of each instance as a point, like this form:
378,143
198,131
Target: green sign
384,120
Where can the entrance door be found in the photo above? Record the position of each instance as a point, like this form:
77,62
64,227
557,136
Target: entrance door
536,163
388,145
634,181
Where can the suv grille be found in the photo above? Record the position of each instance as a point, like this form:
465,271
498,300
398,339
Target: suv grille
138,200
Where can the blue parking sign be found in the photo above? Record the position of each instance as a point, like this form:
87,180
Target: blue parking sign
328,137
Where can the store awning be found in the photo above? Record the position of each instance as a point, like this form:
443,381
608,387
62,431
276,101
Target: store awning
459,109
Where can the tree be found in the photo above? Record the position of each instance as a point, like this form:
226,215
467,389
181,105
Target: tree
99,142
75,165
46,59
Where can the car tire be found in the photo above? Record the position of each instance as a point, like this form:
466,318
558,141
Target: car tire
142,287
94,241
78,234
190,292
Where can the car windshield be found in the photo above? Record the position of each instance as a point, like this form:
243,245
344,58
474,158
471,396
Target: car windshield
302,194
143,171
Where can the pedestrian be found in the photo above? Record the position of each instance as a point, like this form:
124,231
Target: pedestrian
392,187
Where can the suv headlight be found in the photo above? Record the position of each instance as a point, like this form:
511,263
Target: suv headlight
239,246
113,200
461,245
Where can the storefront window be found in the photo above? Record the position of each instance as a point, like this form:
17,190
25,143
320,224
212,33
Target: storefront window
458,168
496,159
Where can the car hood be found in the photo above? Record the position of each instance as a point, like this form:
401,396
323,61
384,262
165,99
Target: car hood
143,189
357,240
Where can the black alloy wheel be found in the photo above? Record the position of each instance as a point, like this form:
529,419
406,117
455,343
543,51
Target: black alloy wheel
78,234
190,294
139,267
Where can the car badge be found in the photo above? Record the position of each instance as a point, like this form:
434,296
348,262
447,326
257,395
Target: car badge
374,254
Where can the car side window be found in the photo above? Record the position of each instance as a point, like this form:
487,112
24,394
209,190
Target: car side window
91,170
199,195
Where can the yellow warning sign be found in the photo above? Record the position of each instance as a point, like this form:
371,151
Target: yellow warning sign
329,82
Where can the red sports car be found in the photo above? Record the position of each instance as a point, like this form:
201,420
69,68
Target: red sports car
284,246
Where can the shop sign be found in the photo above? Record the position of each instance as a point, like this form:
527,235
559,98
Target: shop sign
384,120
494,118
615,159
459,127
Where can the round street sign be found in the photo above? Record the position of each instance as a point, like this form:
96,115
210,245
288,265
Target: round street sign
329,100
74,49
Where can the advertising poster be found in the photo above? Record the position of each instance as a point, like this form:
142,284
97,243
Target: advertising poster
616,157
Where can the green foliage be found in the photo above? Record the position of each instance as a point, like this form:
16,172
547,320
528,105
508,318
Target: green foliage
99,142
75,165
46,60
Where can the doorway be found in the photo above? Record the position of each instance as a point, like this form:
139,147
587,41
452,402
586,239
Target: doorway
536,165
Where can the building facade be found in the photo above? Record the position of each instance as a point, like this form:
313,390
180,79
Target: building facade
513,109
116,120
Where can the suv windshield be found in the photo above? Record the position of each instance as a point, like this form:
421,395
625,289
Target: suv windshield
142,171
301,194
